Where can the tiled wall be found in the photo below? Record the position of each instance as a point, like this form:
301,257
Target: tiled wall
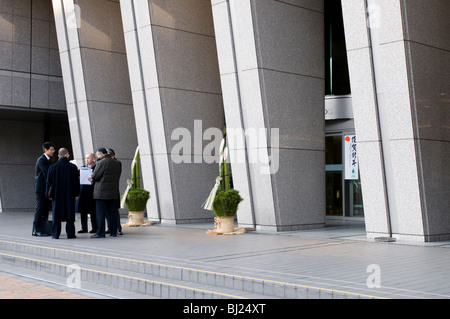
30,71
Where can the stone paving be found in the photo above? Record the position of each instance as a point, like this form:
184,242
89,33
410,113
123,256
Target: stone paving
338,259
15,287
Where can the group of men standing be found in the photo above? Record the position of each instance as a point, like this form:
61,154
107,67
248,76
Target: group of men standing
59,184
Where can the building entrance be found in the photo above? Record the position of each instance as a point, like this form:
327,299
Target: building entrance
343,183
23,130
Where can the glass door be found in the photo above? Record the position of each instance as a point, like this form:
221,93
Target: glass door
343,196
333,175
354,201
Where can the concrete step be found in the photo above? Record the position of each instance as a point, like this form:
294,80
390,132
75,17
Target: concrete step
137,276
156,278
86,289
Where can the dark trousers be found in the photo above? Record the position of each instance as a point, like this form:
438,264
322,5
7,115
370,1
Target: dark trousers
84,221
56,229
41,212
106,209
56,224
119,225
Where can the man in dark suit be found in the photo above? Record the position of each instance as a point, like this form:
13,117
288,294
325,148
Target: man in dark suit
40,177
63,188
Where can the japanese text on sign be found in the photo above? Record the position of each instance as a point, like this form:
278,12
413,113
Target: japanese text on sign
351,158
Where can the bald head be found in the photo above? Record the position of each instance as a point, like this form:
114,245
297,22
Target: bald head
90,158
63,152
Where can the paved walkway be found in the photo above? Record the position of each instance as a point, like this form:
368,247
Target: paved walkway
336,258
16,287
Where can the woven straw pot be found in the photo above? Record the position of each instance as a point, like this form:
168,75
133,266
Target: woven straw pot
224,224
135,218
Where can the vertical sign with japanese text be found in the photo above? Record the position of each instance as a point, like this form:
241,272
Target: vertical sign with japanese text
351,158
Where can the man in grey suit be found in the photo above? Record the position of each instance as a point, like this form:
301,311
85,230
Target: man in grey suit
106,176
40,177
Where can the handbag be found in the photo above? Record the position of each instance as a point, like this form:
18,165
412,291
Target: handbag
47,227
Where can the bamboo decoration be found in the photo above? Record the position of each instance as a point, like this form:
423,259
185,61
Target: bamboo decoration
223,200
135,181
223,180
223,165
135,170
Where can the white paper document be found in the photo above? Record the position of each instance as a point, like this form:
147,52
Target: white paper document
85,173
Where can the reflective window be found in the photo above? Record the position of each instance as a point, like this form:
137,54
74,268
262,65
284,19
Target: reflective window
336,66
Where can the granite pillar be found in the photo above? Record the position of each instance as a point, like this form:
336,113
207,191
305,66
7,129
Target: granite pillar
271,57
177,97
397,57
96,81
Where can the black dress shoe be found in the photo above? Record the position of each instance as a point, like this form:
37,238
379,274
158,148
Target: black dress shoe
39,234
82,231
113,235
70,237
93,231
97,236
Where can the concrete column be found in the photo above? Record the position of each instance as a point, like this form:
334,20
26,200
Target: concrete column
271,57
365,110
177,97
96,81
73,77
400,114
427,54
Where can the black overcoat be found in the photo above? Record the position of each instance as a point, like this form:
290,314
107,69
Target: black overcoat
86,201
63,185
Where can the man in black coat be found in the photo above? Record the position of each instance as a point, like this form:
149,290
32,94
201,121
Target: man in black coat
63,187
106,177
86,202
40,177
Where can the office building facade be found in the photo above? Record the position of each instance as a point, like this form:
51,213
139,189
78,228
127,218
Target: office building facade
334,109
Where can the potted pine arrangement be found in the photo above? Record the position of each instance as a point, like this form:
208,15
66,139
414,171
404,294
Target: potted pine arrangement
135,198
223,199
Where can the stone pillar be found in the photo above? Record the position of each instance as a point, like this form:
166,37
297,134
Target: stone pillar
176,95
365,112
427,55
96,82
271,57
400,89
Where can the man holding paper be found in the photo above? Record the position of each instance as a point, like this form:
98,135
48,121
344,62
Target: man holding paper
86,202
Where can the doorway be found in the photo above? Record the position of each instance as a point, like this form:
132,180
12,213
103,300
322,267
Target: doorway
343,182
